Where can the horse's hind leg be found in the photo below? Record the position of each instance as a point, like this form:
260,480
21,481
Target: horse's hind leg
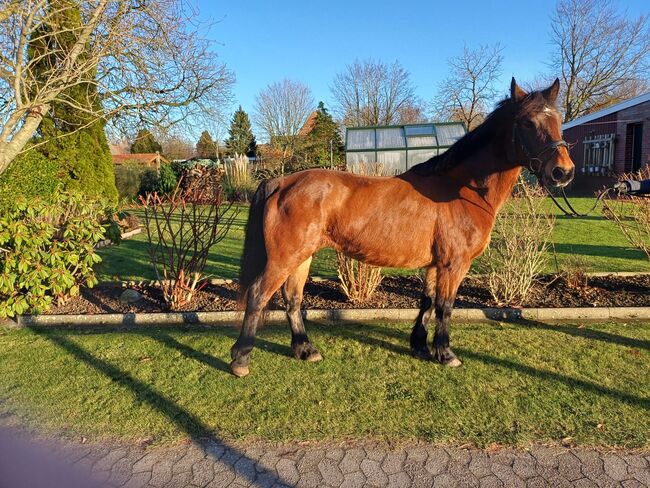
419,347
258,296
292,292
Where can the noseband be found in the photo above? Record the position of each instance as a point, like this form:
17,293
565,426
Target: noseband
551,146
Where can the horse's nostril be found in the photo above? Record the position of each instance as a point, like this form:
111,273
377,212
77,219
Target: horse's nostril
558,173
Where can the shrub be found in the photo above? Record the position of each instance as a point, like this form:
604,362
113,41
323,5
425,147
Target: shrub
238,182
30,175
518,250
181,230
358,280
148,181
167,179
47,251
127,180
632,214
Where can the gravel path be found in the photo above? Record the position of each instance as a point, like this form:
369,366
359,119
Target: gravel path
213,464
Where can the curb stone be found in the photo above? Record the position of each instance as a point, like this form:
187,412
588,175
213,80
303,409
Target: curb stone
235,317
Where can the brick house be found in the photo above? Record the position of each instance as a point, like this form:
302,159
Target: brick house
151,160
609,142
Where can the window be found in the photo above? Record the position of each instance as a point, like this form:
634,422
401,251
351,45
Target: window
599,154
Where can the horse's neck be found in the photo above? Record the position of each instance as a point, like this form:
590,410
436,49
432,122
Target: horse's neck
490,173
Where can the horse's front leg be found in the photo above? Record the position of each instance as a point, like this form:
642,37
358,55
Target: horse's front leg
449,277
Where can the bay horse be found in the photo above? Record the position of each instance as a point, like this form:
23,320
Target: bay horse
438,215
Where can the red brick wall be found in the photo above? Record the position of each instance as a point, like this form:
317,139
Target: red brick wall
616,123
637,114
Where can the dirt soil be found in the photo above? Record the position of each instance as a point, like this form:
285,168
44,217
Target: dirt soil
394,292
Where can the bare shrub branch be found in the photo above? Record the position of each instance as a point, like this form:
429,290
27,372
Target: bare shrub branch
181,230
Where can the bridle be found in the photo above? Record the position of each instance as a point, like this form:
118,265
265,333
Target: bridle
547,150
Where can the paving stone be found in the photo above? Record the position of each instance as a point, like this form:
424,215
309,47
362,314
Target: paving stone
591,463
604,481
393,462
479,465
373,472
335,453
268,461
615,467
310,479
376,454
445,480
437,462
222,479
213,450
244,471
107,462
352,460
161,472
536,482
121,472
507,475
635,461
418,474
310,460
138,480
584,483
569,466
633,484
460,457
491,482
416,454
193,455
353,480
179,480
287,471
642,475
202,472
524,468
399,480
546,456
146,462
265,479
330,471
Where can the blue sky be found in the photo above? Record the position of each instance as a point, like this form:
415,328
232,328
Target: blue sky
266,41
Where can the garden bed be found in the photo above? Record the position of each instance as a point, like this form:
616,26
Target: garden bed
394,292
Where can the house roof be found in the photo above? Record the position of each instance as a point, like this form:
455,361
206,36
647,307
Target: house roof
139,158
617,107
309,124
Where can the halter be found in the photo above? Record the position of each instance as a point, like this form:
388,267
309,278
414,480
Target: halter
550,146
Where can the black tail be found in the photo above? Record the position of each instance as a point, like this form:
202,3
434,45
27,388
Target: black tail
253,260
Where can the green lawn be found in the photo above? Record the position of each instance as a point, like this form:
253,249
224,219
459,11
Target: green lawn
520,383
593,237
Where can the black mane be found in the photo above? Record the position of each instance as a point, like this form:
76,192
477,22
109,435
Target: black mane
480,136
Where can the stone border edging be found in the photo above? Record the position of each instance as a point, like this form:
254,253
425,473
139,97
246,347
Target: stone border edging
351,314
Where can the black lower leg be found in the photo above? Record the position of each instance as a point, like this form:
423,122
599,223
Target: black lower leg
418,340
441,350
300,345
241,350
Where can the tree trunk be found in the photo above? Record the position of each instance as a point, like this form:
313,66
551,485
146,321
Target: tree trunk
11,148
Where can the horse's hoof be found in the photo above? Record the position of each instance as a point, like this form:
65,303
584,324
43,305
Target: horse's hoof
314,357
422,353
239,370
453,363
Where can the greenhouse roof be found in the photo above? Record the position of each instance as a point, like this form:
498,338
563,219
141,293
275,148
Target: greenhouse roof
390,137
399,147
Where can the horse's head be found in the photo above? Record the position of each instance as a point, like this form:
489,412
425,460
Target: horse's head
537,135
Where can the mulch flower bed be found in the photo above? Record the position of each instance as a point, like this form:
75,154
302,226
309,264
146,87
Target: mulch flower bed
394,292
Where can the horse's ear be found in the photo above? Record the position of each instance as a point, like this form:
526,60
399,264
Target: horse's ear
516,93
552,91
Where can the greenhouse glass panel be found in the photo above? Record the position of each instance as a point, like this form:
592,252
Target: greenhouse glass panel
390,138
419,130
393,162
361,139
353,159
417,156
422,141
448,134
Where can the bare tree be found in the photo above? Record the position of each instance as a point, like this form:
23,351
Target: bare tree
374,93
602,56
281,110
467,94
148,60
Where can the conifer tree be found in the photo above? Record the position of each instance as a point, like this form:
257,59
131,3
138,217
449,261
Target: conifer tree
241,140
206,147
68,135
145,142
323,137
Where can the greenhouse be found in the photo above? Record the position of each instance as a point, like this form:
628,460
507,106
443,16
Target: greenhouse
399,147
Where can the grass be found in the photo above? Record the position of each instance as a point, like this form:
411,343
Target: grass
597,240
520,383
